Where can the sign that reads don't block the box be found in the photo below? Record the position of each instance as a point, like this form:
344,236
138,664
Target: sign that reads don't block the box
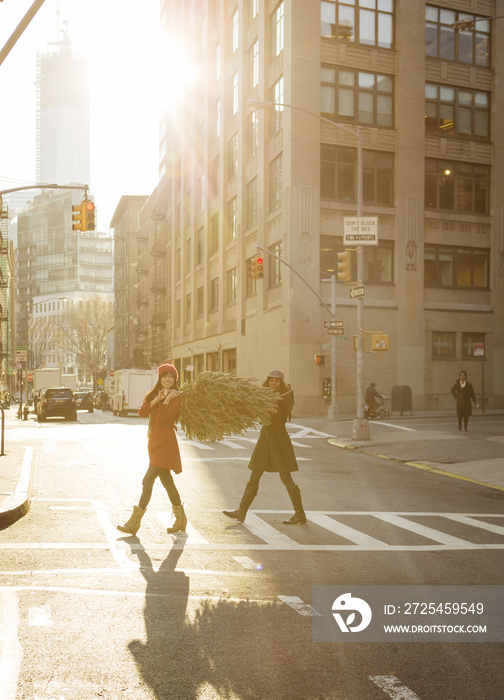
360,230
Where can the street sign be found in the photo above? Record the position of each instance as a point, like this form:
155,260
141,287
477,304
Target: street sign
333,324
99,381
356,292
479,349
29,376
360,230
336,331
21,355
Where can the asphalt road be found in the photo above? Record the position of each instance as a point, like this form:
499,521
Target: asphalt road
87,613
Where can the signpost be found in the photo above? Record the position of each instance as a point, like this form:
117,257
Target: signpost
479,351
356,292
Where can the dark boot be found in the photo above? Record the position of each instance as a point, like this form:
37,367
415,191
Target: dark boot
299,517
248,496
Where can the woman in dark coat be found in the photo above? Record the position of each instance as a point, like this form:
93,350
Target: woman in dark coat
161,405
273,453
463,393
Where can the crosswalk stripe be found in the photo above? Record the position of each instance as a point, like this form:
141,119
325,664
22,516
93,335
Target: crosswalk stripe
422,530
269,534
193,536
349,533
393,687
297,604
489,527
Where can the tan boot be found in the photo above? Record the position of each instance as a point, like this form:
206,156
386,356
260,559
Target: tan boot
180,520
133,524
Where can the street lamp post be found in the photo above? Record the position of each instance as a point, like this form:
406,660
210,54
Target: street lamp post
360,427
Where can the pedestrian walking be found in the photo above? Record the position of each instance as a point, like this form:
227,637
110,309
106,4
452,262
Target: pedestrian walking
273,453
463,393
161,405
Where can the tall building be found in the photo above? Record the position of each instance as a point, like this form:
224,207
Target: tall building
63,131
426,96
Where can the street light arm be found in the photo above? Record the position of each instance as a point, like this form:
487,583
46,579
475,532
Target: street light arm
264,104
265,250
464,25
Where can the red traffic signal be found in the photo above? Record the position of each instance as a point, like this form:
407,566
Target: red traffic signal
319,360
89,213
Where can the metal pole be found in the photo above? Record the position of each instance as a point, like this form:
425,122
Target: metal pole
333,408
20,29
360,427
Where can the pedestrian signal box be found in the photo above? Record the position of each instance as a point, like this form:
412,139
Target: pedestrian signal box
319,360
379,342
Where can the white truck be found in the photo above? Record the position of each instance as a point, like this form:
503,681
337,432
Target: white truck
44,378
70,381
130,388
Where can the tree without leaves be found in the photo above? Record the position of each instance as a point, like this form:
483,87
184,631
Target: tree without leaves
84,326
44,336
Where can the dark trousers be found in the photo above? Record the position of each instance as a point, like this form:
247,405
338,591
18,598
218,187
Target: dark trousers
166,478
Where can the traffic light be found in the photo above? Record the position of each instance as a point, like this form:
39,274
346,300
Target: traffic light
319,360
344,267
256,268
89,215
379,342
78,217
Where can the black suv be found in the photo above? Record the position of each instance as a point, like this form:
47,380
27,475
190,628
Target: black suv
57,401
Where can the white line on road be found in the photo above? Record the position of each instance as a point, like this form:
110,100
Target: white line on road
258,527
193,536
40,616
297,604
11,653
394,688
248,563
428,532
398,427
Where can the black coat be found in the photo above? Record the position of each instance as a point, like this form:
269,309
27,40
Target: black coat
463,396
273,451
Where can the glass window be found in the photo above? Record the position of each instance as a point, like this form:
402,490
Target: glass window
357,96
470,46
252,203
276,183
275,265
338,175
456,186
279,102
252,134
443,345
279,28
235,94
446,266
235,32
231,284
459,112
368,22
469,340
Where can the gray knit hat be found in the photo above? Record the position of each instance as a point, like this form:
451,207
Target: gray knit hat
276,373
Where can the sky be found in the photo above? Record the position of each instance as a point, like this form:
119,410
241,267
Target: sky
120,40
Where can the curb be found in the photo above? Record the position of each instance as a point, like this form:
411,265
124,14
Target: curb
18,504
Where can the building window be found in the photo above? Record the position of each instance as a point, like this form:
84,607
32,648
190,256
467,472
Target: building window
443,345
178,313
278,99
275,265
456,111
200,296
187,256
213,238
468,46
252,134
235,94
231,284
252,203
469,340
218,62
198,253
454,267
233,157
231,221
217,127
213,178
456,186
178,264
356,96
213,299
254,8
378,260
368,22
200,193
188,308
338,175
235,34
254,77
276,183
278,29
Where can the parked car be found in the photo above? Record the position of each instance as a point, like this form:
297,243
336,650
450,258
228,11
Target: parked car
84,401
56,402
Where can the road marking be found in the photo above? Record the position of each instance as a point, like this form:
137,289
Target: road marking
304,432
394,425
297,604
248,563
40,616
349,533
192,536
11,653
258,527
419,529
489,527
394,688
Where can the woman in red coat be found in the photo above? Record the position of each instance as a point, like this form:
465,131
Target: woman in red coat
273,453
162,405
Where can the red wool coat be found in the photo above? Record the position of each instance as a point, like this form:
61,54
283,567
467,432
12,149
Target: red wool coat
163,446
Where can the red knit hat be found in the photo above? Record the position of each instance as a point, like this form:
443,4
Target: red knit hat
167,369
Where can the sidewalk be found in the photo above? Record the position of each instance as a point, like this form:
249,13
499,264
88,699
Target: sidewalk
16,470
